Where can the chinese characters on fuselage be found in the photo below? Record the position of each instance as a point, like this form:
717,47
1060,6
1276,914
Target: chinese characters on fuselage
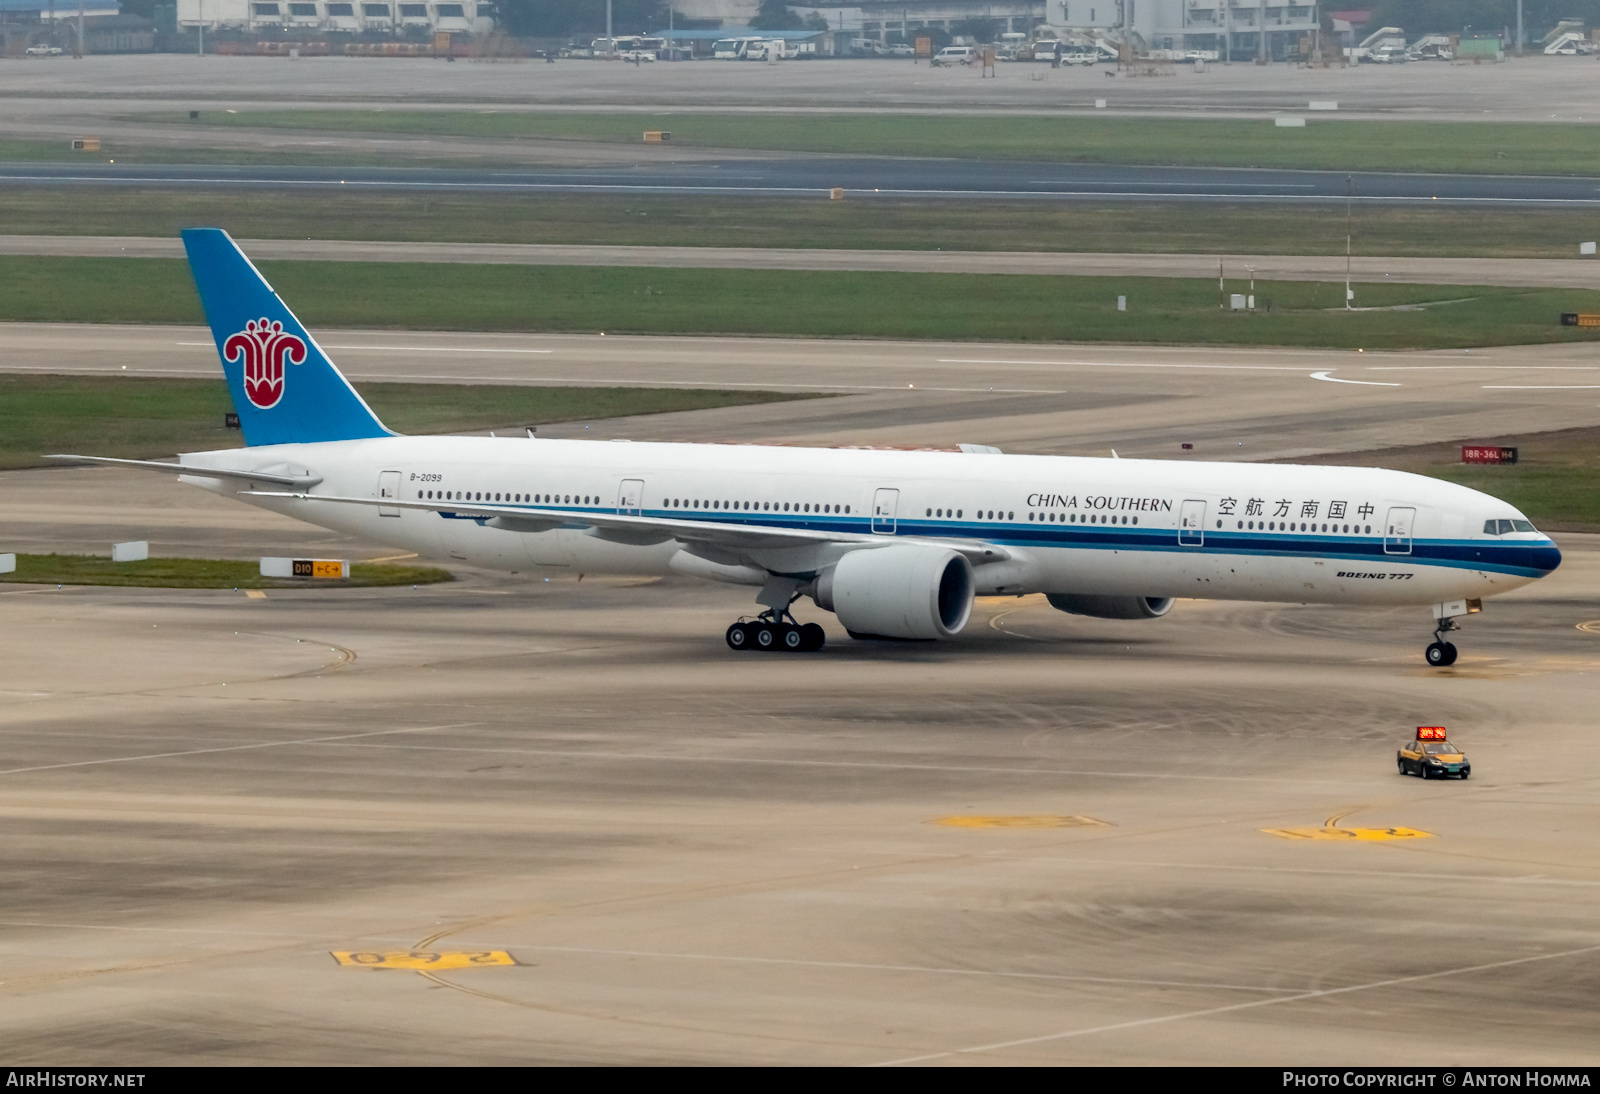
1309,510
1226,507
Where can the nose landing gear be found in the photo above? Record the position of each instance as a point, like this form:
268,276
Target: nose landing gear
1442,654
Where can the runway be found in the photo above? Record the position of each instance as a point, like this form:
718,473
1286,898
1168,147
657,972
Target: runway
1528,272
1043,843
104,89
1228,402
862,177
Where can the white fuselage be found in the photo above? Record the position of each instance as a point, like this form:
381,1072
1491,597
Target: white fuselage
1152,528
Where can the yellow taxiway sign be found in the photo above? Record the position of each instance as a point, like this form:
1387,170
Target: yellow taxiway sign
1347,834
1037,821
431,960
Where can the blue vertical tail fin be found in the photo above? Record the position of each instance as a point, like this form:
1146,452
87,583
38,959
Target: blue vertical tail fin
284,387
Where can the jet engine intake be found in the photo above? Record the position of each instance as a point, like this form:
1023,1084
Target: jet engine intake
899,592
1111,607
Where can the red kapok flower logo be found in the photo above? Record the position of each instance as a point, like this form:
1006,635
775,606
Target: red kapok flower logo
263,348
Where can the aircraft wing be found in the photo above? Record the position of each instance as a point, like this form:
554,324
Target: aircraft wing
643,530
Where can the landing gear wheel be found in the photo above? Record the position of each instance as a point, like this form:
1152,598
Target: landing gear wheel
1449,653
812,636
1437,654
791,638
763,635
738,637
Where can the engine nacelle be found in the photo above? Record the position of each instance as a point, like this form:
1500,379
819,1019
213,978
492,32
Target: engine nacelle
1112,607
899,592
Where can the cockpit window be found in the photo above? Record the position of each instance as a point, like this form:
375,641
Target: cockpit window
1522,525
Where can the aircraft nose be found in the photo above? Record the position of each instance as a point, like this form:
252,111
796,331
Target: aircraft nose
1546,556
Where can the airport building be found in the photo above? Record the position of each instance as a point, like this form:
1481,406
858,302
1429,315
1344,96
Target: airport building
45,12
1237,28
352,17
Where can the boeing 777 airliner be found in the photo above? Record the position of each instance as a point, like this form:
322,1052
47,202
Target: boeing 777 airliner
894,543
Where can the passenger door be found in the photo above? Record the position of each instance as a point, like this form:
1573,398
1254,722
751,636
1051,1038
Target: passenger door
1191,523
884,503
1397,536
630,498
388,488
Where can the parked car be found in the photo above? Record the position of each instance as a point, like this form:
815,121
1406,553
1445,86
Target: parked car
43,51
954,55
1388,55
1080,57
901,49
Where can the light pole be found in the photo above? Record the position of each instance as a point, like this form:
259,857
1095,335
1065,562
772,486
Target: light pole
1519,28
80,30
611,43
1349,192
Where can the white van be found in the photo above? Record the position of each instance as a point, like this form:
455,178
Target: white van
779,49
953,55
732,49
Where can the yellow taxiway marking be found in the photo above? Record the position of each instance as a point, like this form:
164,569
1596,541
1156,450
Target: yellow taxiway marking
255,594
1368,834
422,959
1592,626
1040,821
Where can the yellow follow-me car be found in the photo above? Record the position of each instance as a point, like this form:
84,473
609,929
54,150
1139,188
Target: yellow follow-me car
1432,756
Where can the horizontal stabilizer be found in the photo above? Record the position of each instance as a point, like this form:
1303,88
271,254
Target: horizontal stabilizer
302,481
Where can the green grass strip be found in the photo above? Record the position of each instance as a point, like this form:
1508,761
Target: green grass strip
1327,144
202,573
1556,480
828,304
1114,227
137,418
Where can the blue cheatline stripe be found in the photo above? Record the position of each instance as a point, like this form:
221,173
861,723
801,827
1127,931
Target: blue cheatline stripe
1461,554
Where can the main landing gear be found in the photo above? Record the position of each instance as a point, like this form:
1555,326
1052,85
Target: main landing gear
776,629
780,635
1441,654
